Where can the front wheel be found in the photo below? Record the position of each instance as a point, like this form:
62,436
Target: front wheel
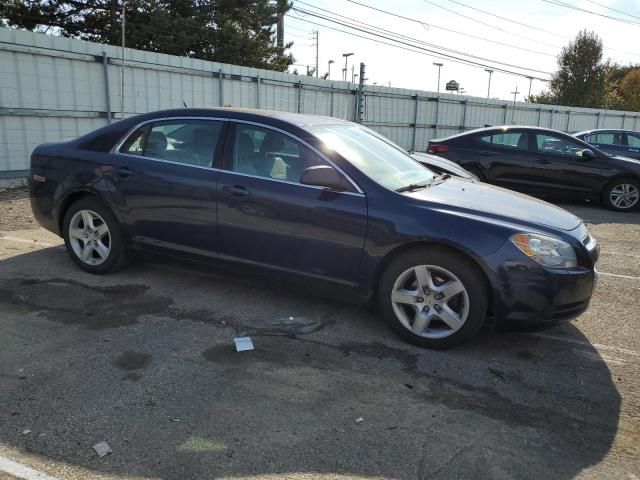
622,195
93,237
433,297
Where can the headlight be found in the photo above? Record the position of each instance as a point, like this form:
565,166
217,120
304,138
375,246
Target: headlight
548,251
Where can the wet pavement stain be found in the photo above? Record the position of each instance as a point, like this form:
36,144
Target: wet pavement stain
132,361
72,302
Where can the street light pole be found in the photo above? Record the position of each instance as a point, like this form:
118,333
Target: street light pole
439,65
329,70
489,71
346,59
530,83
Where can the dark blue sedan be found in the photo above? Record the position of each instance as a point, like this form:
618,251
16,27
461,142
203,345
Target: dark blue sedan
322,199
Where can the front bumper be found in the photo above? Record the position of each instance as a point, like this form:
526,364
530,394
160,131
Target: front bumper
526,292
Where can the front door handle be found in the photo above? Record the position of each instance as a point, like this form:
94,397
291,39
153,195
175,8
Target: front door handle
238,191
543,161
635,150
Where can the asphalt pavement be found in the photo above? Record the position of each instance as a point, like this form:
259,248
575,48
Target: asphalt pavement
143,359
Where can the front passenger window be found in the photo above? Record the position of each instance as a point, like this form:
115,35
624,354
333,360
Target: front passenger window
557,145
268,153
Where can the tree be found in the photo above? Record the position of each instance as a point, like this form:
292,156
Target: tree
581,79
231,31
628,91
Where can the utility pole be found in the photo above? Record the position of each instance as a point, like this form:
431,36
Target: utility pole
489,71
346,59
122,27
353,75
515,94
317,34
530,83
359,106
329,70
439,65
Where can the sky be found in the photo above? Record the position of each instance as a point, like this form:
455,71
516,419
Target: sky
530,51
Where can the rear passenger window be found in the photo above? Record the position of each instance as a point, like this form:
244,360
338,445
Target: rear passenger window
515,141
192,142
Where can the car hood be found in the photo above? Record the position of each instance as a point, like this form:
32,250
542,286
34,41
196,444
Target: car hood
475,197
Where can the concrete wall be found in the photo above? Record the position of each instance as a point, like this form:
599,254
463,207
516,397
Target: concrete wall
54,88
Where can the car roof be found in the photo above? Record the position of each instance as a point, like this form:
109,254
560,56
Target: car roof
503,128
603,130
297,119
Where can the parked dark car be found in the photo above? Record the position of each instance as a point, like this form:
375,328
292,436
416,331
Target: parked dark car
319,198
546,162
442,165
625,143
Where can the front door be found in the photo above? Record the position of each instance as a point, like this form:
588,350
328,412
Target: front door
561,169
167,186
267,217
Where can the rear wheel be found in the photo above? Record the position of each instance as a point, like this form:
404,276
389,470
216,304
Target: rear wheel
93,237
622,195
433,297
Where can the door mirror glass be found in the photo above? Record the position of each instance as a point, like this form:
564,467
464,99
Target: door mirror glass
323,176
586,154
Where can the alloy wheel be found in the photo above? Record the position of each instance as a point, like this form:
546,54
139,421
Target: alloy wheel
430,301
624,195
89,237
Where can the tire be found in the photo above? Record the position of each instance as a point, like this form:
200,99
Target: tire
106,252
468,307
477,172
622,195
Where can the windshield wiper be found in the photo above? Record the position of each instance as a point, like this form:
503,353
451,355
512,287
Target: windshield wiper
441,178
412,186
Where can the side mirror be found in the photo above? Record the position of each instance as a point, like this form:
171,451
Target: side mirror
323,176
586,154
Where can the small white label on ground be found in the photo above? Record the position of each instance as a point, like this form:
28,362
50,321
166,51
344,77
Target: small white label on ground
243,344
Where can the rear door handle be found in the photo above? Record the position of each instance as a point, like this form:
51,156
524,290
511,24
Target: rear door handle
635,150
484,154
238,191
543,161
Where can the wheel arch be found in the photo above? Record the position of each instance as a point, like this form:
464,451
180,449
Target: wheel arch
69,199
458,250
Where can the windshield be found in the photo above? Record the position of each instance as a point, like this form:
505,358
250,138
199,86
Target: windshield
378,159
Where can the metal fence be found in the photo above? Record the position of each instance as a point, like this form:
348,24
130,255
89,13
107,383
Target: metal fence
54,88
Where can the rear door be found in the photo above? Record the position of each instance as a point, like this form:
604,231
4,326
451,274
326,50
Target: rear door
633,145
505,158
609,142
267,217
166,183
559,167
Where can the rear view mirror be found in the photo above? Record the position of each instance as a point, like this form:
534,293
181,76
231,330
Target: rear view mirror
586,154
323,176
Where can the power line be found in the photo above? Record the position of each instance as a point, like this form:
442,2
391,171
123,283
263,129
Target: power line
557,47
362,26
419,50
429,24
613,9
510,20
584,10
519,23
